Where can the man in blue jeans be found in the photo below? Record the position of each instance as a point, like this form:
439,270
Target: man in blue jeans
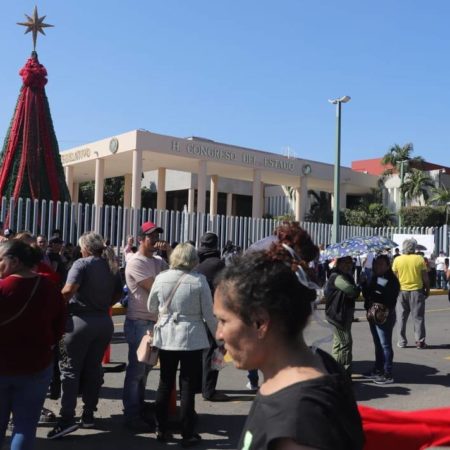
140,273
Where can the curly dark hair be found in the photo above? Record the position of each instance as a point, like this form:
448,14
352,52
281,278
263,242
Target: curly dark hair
259,281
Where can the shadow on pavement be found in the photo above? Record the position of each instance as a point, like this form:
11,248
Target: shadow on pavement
219,431
403,372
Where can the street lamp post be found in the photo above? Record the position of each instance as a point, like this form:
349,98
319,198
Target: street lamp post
335,237
402,164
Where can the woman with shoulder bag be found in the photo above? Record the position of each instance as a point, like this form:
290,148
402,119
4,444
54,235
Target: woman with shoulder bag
32,320
183,299
380,296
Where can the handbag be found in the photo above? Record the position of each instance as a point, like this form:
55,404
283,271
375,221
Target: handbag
147,353
15,316
377,313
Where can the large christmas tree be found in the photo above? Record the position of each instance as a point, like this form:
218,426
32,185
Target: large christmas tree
30,161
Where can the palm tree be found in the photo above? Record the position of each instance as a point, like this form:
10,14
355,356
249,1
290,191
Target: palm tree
441,195
398,153
320,210
417,185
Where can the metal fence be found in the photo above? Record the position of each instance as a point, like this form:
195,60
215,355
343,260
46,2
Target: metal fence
116,223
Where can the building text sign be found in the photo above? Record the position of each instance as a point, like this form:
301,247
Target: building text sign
211,150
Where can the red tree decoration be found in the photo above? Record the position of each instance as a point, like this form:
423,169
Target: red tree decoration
30,161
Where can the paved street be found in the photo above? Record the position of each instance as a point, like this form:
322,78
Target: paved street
422,380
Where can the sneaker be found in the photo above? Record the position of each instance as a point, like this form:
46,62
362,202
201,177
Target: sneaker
402,344
421,344
62,428
87,419
252,387
374,373
383,379
47,416
190,441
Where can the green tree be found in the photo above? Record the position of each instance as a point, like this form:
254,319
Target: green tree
440,195
417,185
320,210
371,215
112,191
399,153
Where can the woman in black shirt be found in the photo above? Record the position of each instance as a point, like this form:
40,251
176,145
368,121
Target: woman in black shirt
262,303
383,288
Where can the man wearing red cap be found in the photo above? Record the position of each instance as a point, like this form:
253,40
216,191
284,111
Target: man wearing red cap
140,272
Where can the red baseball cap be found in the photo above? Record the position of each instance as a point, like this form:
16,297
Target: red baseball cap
150,227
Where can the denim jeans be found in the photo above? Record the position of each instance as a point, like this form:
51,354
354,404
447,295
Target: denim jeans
23,396
441,282
137,372
382,339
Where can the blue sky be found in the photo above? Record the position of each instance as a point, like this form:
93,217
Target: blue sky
255,73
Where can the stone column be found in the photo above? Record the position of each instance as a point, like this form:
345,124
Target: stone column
257,194
161,189
76,191
229,204
99,188
68,172
191,200
127,190
301,199
213,193
201,187
136,179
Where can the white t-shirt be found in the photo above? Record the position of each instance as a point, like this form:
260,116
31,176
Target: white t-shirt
440,263
138,269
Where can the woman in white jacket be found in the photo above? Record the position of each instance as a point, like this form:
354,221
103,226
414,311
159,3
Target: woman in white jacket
183,300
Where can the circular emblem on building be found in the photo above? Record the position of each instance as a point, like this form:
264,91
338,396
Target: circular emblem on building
114,145
306,169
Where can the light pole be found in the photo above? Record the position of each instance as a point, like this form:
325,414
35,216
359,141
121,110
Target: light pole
447,205
402,164
337,169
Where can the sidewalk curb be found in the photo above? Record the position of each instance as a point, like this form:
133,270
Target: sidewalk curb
119,310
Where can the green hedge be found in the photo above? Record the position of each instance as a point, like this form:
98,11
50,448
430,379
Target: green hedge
423,216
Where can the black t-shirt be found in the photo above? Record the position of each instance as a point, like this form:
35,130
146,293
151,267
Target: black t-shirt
319,413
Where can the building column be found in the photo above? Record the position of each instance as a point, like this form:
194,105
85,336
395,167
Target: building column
161,189
99,188
257,194
76,191
301,199
127,190
201,187
68,172
136,179
213,193
229,211
191,200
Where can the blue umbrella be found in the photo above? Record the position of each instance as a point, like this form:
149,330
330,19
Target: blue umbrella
357,246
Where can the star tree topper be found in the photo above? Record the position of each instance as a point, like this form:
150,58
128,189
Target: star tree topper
35,24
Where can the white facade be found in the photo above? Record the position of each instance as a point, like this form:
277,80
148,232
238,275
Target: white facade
200,165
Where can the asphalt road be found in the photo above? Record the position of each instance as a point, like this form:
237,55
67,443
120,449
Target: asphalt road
422,380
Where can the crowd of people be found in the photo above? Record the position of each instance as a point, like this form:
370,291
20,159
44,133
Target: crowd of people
196,303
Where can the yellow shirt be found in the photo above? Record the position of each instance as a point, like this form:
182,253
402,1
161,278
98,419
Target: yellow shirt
408,269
